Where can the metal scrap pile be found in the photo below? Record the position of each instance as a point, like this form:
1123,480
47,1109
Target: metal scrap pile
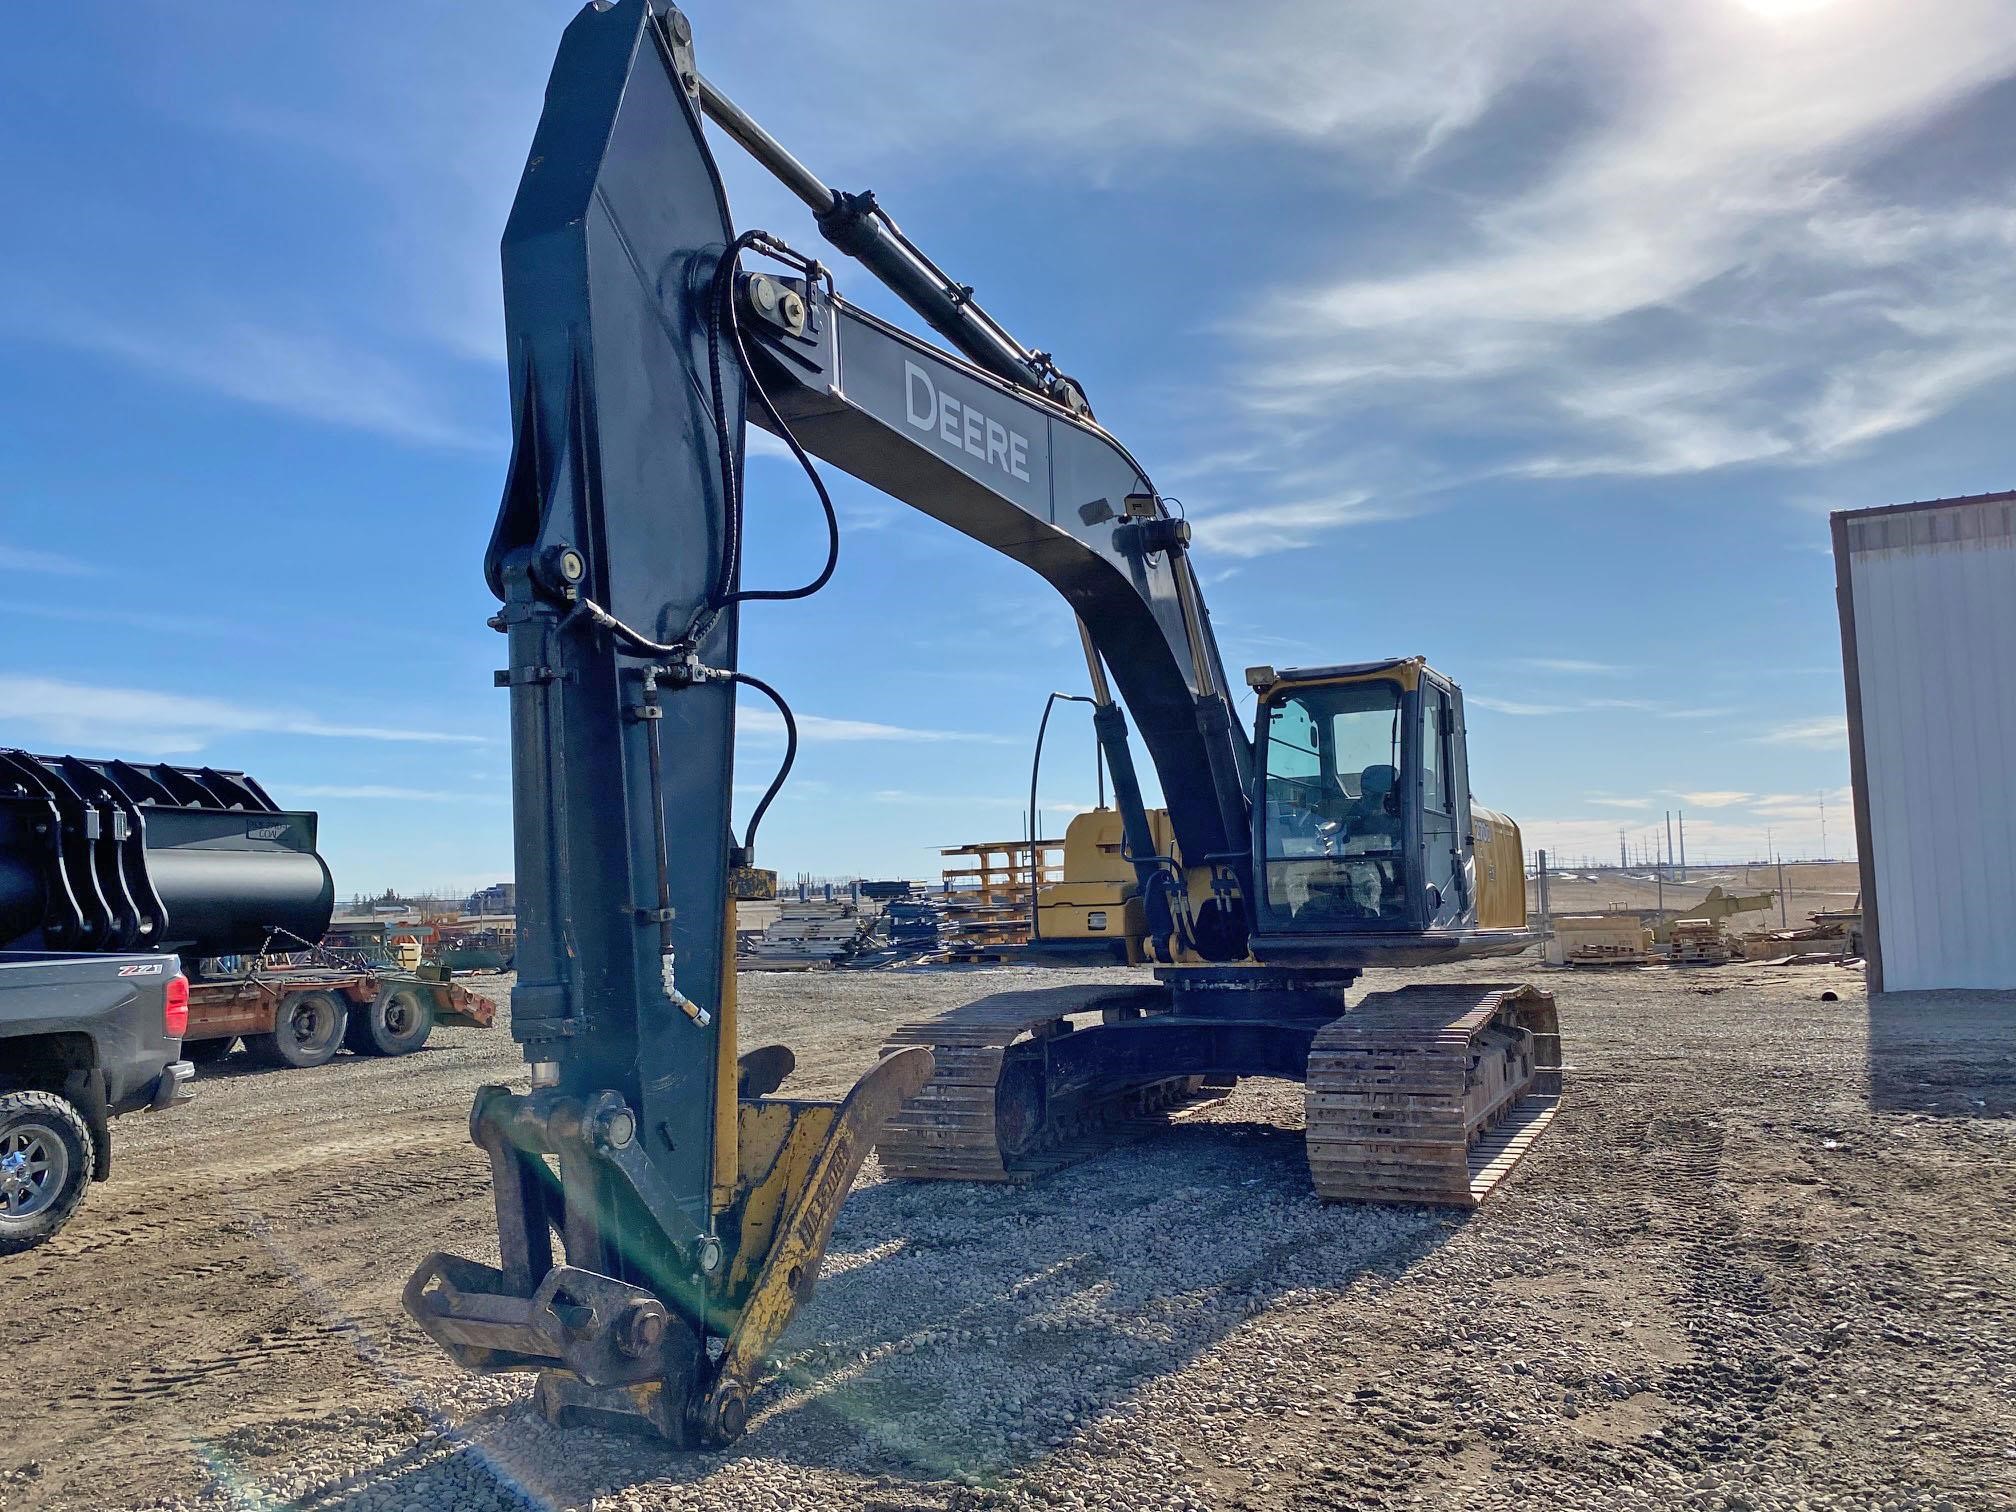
806,936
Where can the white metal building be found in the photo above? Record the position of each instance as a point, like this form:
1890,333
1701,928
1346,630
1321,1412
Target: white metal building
1928,636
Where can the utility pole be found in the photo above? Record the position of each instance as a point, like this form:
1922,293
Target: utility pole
1781,893
1823,824
1669,839
1683,845
1623,856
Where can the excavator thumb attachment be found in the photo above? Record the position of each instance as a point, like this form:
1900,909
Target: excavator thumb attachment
613,1354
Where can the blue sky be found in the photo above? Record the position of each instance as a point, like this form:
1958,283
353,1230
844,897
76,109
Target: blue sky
1539,339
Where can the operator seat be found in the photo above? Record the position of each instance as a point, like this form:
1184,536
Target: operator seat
1375,812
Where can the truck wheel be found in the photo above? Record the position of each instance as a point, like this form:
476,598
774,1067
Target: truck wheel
45,1164
307,1031
397,1023
207,1052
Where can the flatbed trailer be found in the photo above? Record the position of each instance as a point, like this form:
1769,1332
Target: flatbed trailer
302,1015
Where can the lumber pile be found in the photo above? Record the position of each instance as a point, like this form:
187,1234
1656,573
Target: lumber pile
1700,942
1600,940
985,904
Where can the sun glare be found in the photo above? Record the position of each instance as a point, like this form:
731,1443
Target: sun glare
1783,10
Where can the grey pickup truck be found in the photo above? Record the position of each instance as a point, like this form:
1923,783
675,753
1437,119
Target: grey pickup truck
83,1039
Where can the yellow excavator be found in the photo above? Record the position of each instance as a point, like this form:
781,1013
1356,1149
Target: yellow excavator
1336,833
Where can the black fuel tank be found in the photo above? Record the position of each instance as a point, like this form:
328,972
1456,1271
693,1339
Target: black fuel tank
115,855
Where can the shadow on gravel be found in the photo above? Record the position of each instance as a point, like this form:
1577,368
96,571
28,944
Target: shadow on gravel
1949,1054
963,1331
241,1065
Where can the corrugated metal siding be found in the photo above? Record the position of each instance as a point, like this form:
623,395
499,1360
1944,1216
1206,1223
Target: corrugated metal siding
1935,642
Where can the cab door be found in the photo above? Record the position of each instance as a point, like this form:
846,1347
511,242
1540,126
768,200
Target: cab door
1444,797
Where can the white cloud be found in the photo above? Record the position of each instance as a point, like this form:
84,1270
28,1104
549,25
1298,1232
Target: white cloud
1717,799
1802,805
1387,82
1652,706
1820,734
142,720
758,442
818,727
1620,803
1573,665
1257,530
1697,277
1711,840
299,368
1523,710
54,564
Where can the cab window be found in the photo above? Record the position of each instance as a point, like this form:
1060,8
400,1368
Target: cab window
1434,746
1332,826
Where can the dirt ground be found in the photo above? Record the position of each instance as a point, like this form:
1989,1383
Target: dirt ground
1766,1257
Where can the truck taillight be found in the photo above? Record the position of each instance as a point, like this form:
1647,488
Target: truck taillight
175,1007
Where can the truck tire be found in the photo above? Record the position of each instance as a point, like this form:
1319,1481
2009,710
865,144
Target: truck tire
397,1022
46,1154
207,1052
308,1030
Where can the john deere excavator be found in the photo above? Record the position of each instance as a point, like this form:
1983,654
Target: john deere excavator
693,1205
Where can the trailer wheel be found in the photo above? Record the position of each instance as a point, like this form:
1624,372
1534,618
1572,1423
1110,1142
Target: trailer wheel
208,1052
397,1023
45,1164
307,1031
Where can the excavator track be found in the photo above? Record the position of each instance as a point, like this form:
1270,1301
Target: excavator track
987,1113
1426,1094
1431,1094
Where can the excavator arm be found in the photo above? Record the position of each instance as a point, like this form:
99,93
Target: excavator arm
1047,487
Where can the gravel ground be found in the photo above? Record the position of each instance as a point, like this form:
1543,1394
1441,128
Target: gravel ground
1765,1258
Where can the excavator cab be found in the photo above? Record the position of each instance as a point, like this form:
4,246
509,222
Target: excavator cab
1364,826
1367,848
